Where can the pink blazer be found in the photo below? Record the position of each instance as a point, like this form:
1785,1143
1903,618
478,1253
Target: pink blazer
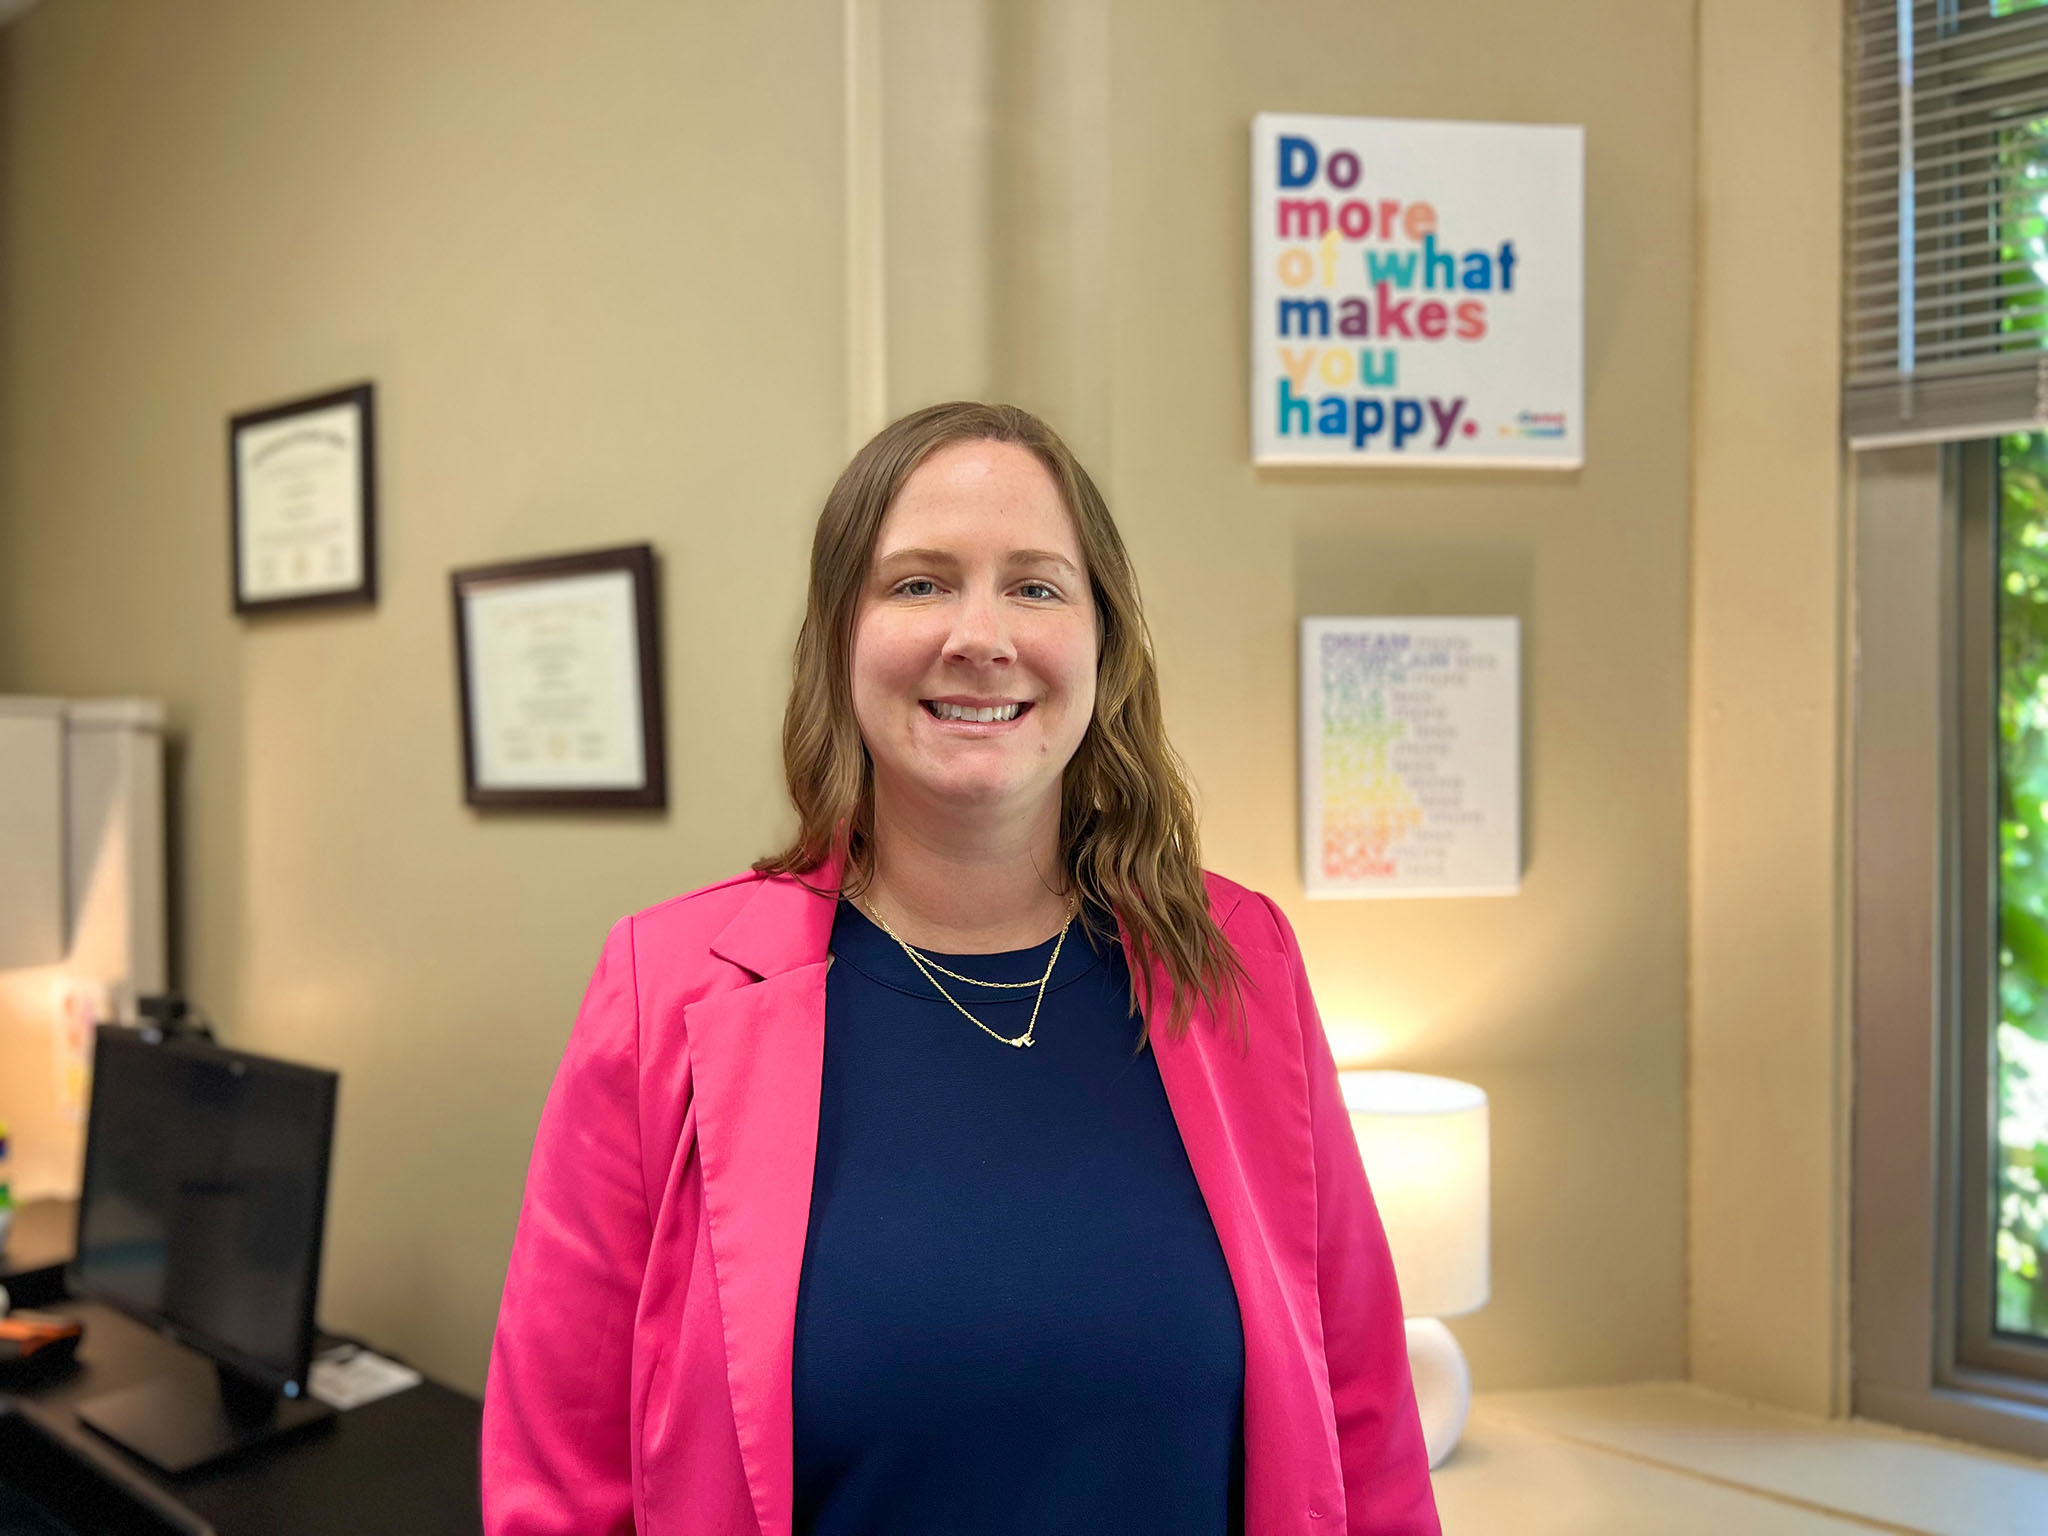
640,1378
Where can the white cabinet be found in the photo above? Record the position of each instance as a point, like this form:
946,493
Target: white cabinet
82,837
34,906
82,910
114,842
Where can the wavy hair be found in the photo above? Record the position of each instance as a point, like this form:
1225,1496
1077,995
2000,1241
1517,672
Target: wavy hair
1128,838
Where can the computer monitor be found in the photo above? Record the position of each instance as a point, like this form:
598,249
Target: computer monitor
201,1214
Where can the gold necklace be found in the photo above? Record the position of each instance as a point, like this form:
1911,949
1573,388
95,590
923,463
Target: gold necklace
927,967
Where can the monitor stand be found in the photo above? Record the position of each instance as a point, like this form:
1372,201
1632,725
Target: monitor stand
179,1422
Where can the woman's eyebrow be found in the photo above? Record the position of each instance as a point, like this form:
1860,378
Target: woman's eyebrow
947,557
1042,557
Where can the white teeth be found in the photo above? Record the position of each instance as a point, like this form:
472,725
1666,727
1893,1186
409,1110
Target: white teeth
959,712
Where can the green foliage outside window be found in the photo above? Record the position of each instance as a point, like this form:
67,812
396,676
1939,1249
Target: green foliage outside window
2020,1047
2021,1058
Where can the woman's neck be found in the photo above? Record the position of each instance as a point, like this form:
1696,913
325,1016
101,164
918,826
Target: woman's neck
969,886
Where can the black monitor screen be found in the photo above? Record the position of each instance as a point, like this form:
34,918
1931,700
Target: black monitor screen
204,1197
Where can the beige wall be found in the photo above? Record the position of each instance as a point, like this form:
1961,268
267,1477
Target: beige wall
1768,1067
592,258
1567,1002
596,260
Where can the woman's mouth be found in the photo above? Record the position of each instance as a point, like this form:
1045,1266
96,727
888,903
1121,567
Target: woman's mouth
971,714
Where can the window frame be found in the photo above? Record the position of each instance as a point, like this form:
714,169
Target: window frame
1923,898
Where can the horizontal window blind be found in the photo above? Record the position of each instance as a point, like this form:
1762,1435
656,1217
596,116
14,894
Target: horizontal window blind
1945,329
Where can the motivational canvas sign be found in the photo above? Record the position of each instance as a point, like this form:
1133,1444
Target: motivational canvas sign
1417,292
1411,756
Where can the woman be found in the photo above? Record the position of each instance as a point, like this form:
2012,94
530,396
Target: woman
977,1163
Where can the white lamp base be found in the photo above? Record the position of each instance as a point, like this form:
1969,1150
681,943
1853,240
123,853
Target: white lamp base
1443,1385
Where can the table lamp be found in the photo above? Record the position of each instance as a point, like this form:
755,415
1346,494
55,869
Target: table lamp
1425,1149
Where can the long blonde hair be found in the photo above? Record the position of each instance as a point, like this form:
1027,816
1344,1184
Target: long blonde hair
1128,838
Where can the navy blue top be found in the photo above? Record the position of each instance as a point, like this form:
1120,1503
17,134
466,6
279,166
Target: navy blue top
1014,1315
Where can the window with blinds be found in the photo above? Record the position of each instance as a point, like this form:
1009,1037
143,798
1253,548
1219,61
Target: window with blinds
1946,225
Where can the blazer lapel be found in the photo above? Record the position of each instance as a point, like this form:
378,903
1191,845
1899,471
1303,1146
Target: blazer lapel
757,1057
1244,1121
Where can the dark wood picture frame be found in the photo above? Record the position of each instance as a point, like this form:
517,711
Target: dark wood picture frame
637,560
364,397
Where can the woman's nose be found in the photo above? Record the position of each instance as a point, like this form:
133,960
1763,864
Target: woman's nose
981,630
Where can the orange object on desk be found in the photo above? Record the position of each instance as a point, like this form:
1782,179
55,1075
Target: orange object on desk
37,1336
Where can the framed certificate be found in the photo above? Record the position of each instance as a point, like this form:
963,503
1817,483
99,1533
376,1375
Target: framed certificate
302,495
560,681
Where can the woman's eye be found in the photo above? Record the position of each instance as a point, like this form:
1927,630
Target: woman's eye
924,586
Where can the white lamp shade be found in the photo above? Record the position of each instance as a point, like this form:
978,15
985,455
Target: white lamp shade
1425,1148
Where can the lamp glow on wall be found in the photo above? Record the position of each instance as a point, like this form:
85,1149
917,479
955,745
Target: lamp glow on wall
1424,1142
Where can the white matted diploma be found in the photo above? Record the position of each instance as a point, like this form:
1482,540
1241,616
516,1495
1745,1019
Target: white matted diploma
560,702
303,502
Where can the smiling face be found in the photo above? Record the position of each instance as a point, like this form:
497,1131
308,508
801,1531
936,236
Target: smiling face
974,643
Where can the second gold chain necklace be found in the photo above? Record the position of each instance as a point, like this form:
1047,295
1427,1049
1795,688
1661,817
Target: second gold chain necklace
926,969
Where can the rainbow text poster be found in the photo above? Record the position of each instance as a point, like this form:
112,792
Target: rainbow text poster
1411,756
1418,292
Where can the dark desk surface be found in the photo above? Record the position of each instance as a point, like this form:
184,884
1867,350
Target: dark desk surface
404,1463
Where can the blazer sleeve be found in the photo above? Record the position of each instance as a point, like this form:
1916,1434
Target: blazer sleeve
557,1446
1379,1433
